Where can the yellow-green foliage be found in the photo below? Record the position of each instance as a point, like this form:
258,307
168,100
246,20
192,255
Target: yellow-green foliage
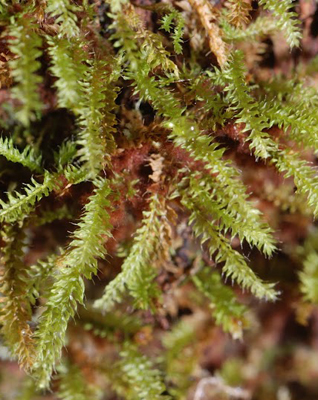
91,72
68,66
226,310
137,272
78,261
286,19
15,312
25,44
140,377
27,157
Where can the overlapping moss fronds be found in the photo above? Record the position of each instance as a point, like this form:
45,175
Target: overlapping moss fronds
116,109
137,273
25,43
15,312
78,261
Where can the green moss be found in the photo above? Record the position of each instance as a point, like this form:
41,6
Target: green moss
111,159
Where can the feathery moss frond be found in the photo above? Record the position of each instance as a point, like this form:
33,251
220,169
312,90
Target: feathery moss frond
96,118
25,44
287,20
239,97
305,177
238,13
136,274
87,89
263,145
75,174
292,110
68,65
231,214
148,88
65,17
155,54
78,261
226,310
143,380
129,28
235,266
177,31
19,205
27,157
187,135
15,309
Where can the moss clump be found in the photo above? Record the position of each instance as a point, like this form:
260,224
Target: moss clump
154,138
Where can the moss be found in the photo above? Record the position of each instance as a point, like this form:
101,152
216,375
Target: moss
163,104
